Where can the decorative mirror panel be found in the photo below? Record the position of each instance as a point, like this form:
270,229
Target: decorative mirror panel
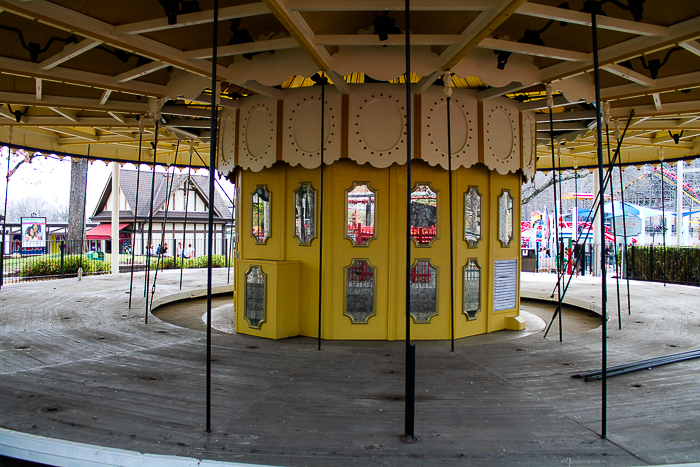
424,212
360,214
472,217
423,291
255,292
261,214
360,291
305,214
472,288
505,218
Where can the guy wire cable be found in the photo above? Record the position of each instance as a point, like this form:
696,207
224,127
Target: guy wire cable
611,170
550,102
142,123
624,219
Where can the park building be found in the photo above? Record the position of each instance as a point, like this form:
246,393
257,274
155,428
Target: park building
180,211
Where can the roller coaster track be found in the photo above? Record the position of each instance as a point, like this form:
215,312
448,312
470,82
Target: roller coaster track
687,190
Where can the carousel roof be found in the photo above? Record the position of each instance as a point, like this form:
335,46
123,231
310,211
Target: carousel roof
80,73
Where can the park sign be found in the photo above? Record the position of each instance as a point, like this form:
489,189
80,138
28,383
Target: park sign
632,224
33,235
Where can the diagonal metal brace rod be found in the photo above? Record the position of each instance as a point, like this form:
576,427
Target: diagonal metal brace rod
596,203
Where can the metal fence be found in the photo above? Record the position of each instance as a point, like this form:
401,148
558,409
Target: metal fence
64,259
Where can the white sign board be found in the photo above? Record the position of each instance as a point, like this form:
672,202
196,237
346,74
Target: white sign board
632,223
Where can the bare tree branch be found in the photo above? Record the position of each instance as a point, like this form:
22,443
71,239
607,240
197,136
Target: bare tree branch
530,193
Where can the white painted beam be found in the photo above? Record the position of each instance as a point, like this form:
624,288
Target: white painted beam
138,72
631,75
264,90
7,114
669,83
393,39
691,46
73,132
541,104
66,114
16,98
39,88
657,101
338,81
492,93
117,117
426,81
105,96
566,116
68,52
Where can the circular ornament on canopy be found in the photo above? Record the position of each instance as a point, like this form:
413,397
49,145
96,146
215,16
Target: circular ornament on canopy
463,120
500,133
258,142
377,125
302,126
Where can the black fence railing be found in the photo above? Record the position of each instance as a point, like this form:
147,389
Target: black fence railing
673,264
64,259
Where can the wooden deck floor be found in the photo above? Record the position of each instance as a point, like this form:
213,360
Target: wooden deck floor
77,364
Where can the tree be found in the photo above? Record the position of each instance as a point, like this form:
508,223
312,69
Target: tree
53,211
76,217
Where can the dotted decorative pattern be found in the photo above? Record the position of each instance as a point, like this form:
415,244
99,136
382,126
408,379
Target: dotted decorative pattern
358,148
434,103
246,159
529,151
296,120
496,110
227,141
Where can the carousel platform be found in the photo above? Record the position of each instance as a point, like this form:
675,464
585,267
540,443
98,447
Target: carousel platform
79,369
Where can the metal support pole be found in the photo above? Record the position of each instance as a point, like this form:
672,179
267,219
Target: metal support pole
611,169
663,222
212,168
604,295
452,241
63,257
4,214
320,215
150,222
624,231
184,225
82,231
556,223
168,191
230,245
136,209
409,434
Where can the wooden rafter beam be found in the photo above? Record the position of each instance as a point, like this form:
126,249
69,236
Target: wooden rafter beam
394,39
191,19
38,88
68,52
78,23
534,50
681,32
483,26
584,19
492,93
691,46
631,75
661,85
395,5
16,98
138,72
84,78
66,114
240,49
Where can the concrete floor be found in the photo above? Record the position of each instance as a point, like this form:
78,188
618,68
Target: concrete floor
78,365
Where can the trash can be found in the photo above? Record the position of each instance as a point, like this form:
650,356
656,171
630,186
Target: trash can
529,260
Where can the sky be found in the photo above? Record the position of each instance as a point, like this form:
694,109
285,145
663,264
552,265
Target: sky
49,178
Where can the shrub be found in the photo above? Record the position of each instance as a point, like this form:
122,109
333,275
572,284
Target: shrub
52,267
218,261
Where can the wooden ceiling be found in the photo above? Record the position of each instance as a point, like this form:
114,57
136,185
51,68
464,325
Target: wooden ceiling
78,73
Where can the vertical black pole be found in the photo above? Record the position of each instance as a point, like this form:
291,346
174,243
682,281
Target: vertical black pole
624,233
663,223
604,295
230,246
82,234
210,238
574,223
150,222
561,247
319,216
556,223
611,169
136,209
409,435
4,213
452,242
184,225
63,258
